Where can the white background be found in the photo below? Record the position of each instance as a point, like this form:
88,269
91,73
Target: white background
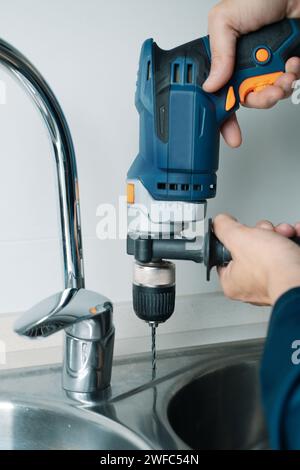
88,51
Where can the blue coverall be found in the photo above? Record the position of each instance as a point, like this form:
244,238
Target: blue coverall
280,373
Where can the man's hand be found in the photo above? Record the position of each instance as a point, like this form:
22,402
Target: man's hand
264,265
227,21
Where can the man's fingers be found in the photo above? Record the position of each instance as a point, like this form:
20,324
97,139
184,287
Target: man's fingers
285,82
265,224
286,230
293,66
231,132
227,230
223,45
266,98
282,88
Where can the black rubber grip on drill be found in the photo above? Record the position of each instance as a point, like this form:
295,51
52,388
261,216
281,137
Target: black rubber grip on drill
217,255
272,36
293,50
153,304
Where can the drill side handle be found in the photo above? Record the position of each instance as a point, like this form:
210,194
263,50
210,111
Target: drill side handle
216,254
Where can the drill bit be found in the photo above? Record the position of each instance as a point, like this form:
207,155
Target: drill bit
153,326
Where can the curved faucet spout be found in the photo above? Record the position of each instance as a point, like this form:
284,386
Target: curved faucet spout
64,155
85,316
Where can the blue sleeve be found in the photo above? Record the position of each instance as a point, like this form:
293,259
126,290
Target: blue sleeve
280,373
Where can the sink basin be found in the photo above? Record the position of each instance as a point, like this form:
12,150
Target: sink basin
205,397
27,426
220,409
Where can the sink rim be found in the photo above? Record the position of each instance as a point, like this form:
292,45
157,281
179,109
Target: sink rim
74,410
196,361
211,366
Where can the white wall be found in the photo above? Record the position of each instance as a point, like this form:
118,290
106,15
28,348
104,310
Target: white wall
88,51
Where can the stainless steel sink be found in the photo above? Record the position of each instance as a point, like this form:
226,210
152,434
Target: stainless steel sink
39,426
205,397
220,409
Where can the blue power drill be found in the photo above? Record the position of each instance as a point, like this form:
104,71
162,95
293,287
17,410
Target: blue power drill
174,173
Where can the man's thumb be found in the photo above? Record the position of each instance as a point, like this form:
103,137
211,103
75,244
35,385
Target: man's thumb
227,230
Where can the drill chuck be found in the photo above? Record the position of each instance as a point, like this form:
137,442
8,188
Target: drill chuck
154,290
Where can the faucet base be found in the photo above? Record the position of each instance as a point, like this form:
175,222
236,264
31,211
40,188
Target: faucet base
92,397
87,362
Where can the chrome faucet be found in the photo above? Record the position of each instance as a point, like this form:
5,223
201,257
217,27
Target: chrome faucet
85,316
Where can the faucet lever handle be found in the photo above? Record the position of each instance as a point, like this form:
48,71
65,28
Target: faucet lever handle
62,310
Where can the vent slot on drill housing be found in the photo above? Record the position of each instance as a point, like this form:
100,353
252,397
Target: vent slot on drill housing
189,73
184,187
148,70
175,186
176,73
